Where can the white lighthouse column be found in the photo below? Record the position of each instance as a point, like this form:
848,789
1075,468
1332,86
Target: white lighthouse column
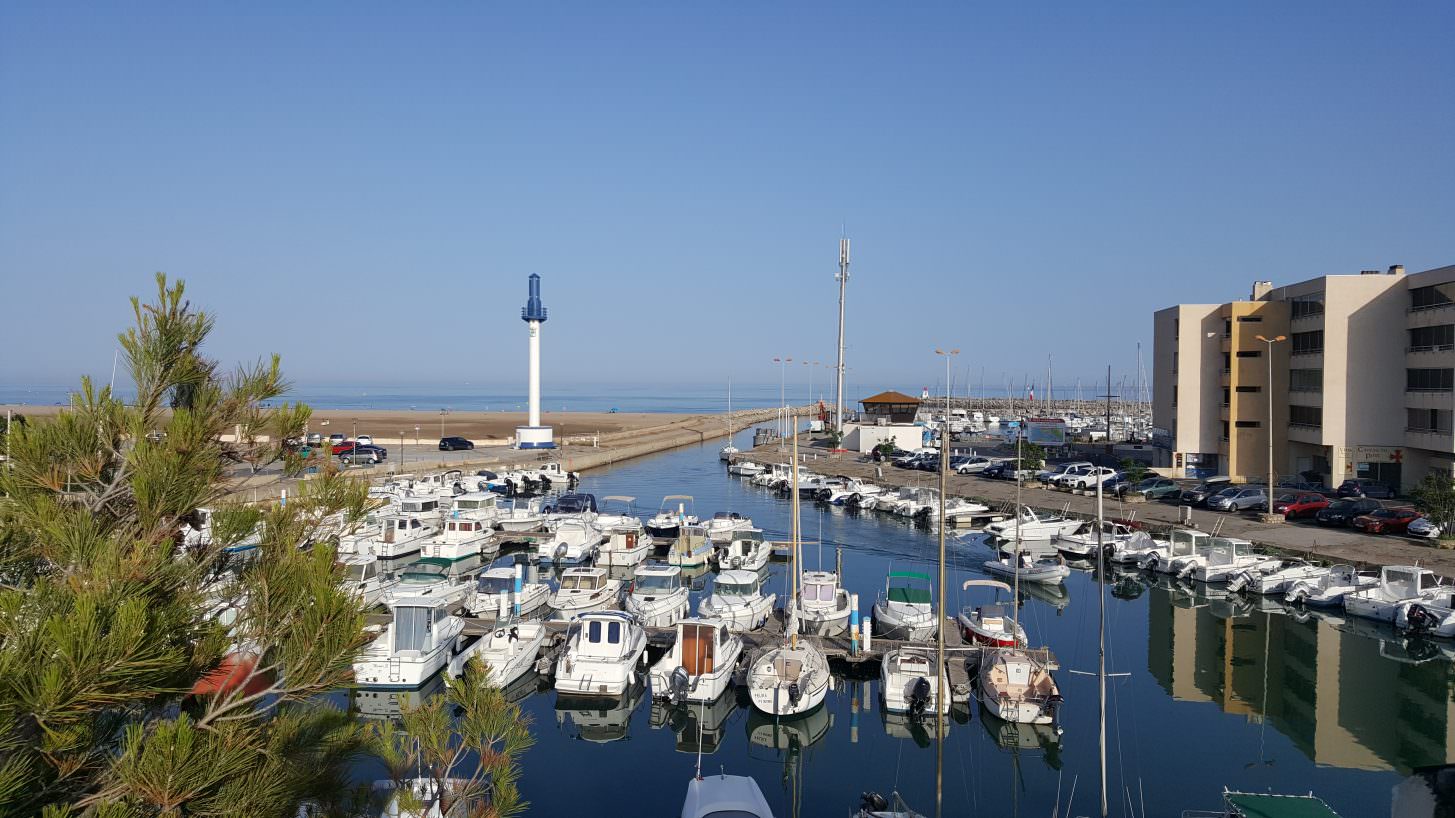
535,373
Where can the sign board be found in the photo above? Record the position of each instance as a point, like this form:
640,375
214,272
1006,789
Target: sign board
1046,431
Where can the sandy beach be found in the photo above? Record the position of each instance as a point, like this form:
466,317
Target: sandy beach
387,424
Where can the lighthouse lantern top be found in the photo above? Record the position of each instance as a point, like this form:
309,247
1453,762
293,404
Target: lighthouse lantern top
533,310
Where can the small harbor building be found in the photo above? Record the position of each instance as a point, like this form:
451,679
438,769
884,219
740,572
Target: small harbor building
887,417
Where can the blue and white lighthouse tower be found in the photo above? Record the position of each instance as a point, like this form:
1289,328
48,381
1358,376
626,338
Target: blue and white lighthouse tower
534,435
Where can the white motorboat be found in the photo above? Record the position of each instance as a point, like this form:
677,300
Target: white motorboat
449,581
1140,546
618,511
522,515
604,650
1185,546
657,596
1398,584
922,499
1432,615
396,536
1031,525
503,593
699,666
425,508
509,649
724,796
737,599
364,579
1016,685
908,682
1045,570
624,545
583,590
462,539
1263,583
538,478
413,647
1228,557
840,493
476,505
676,511
724,525
572,541
823,606
958,510
886,501
906,608
747,551
746,468
989,624
691,548
1329,590
1081,544
789,680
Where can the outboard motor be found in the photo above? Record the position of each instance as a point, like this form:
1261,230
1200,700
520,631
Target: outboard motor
871,802
919,697
677,685
794,693
824,494
1418,619
1054,705
1239,582
1108,551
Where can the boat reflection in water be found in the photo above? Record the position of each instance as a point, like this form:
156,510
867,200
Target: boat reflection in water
919,729
788,735
697,726
1023,738
598,719
388,705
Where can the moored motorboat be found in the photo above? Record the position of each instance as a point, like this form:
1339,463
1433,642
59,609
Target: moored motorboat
509,650
364,579
723,795
503,592
909,684
571,541
1397,585
822,607
906,608
747,551
699,666
462,539
1328,590
1226,558
724,525
657,597
583,590
604,650
450,581
988,624
737,599
691,548
1045,570
419,640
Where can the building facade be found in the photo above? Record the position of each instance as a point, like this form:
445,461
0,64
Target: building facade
1357,370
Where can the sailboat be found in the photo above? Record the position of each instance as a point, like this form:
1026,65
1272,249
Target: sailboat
792,679
726,453
1015,684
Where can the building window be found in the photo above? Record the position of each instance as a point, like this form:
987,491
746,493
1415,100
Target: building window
1226,396
1227,328
1249,424
1249,319
1227,362
1428,420
1425,298
1174,396
1308,343
1176,330
1250,389
1304,306
1250,353
1429,380
1225,430
1423,339
1305,380
1311,416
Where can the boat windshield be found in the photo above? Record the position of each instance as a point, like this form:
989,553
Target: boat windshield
469,505
818,592
579,582
657,582
360,571
736,589
423,574
495,585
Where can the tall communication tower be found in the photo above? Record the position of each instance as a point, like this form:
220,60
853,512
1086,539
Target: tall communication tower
843,279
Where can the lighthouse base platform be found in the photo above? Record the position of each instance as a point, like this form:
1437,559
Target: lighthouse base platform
535,437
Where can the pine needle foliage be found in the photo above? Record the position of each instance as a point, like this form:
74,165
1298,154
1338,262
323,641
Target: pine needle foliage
146,670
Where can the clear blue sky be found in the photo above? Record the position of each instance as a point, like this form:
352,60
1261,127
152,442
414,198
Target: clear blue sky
1018,178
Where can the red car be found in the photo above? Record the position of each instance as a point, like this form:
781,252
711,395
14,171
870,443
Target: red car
346,446
1302,505
1386,521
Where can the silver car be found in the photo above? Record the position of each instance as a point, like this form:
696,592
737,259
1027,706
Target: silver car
1235,499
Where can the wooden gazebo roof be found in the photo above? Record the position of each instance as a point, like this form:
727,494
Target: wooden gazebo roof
890,397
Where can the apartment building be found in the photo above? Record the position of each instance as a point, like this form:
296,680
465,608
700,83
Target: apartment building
1358,372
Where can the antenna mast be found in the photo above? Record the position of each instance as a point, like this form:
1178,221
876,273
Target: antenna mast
843,279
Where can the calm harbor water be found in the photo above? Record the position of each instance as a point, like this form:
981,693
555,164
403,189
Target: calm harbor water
1219,692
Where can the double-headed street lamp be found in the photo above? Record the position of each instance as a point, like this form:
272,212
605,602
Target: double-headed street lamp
783,394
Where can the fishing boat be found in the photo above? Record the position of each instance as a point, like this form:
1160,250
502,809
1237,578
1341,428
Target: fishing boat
906,608
572,541
418,641
365,580
602,655
747,551
522,516
476,505
625,541
822,607
1045,570
1398,584
583,590
699,666
1228,557
657,596
1329,590
509,650
737,599
395,536
794,678
908,682
503,592
449,581
988,624
724,525
691,548
676,511
462,539
1184,546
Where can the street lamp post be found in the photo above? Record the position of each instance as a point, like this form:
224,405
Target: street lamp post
940,691
783,396
1269,363
402,450
442,424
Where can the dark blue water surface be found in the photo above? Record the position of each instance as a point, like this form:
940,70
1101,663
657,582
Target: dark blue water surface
1219,692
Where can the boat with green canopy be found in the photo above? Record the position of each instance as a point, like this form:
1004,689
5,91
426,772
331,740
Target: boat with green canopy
906,608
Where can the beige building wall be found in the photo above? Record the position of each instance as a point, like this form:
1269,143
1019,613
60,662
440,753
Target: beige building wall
1430,452
1245,394
1186,380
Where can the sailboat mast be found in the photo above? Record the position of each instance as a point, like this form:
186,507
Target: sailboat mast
1015,600
843,278
793,539
940,627
1101,625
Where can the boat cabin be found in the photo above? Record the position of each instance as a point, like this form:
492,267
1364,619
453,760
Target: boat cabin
602,635
415,624
360,569
1188,541
574,503
656,578
583,579
496,581
1227,550
475,502
727,515
402,529
744,543
908,588
427,571
819,586
1406,581
465,530
739,584
419,505
699,644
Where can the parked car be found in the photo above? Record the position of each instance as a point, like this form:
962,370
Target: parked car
455,443
1386,520
995,470
1051,474
1423,527
364,454
1199,495
1117,485
315,439
335,439
1304,486
1364,487
1239,499
1152,488
972,465
1343,511
1296,504
1089,478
